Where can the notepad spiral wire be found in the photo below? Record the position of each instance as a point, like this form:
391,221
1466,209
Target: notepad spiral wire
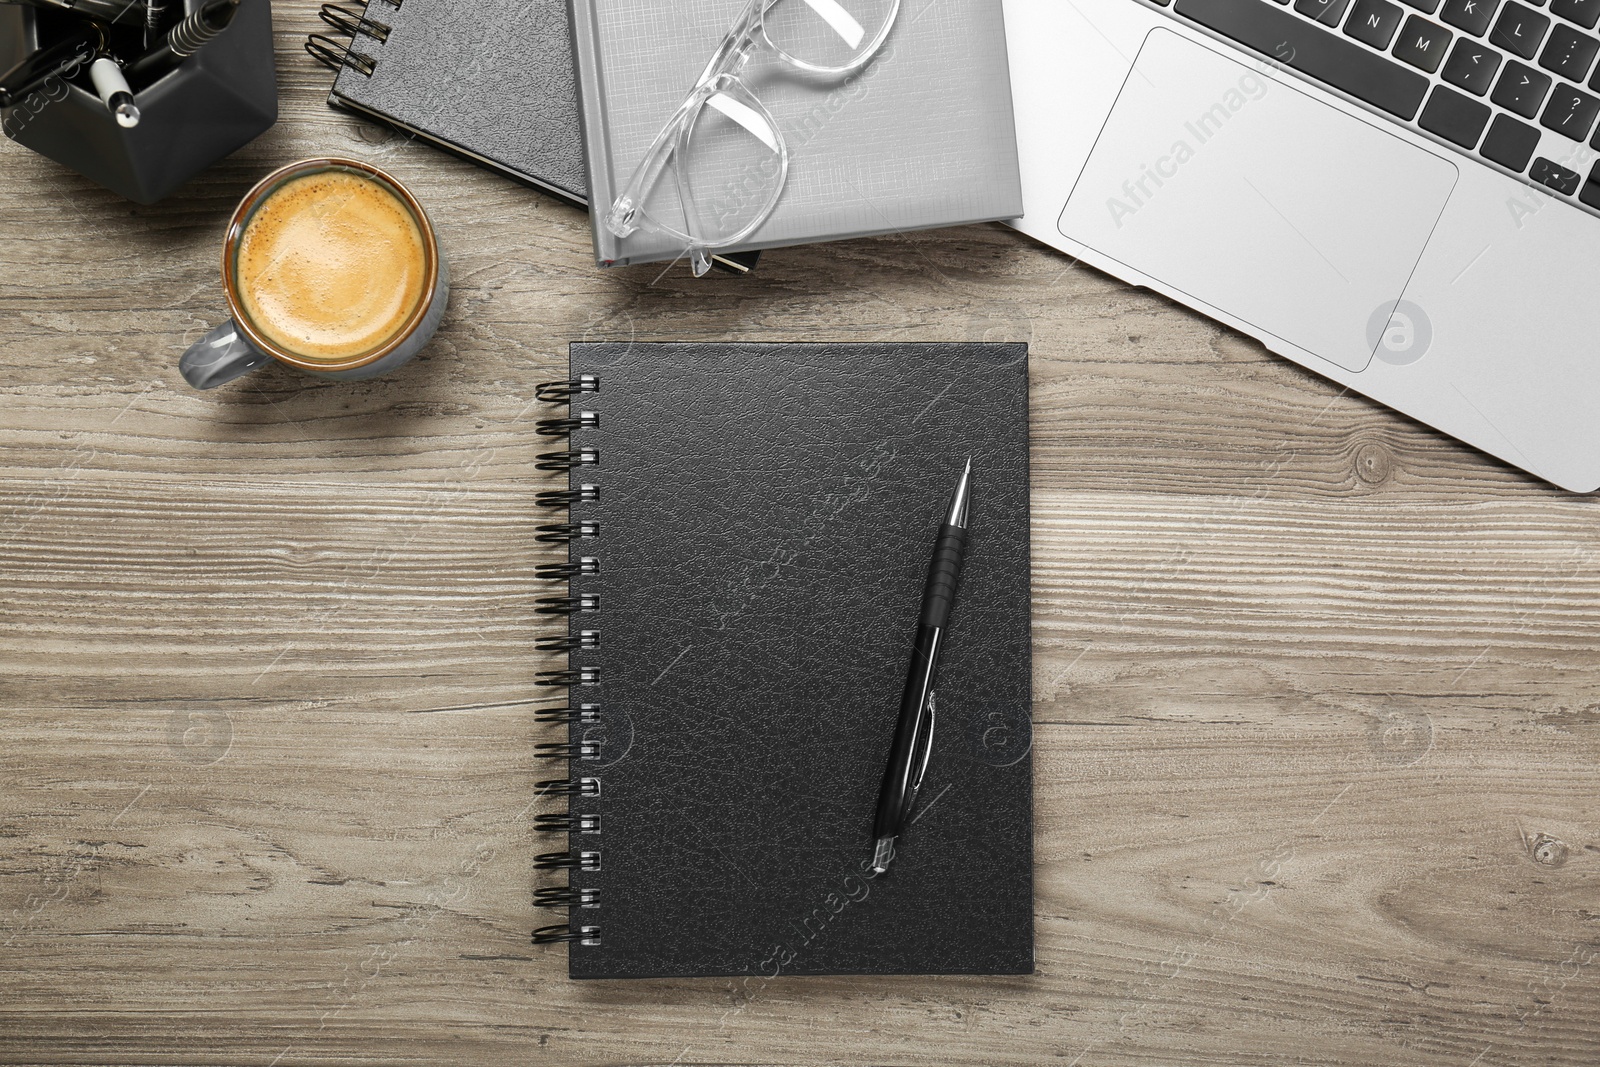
351,23
578,715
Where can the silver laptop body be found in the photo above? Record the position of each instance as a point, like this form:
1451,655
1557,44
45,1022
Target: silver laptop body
1343,180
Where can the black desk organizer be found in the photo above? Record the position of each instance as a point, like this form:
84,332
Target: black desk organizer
218,100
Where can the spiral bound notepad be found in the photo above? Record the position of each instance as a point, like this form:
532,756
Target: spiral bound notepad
748,528
488,80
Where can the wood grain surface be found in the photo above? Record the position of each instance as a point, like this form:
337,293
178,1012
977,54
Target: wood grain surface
1317,722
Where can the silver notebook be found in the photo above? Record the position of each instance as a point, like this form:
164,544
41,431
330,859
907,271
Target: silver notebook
920,137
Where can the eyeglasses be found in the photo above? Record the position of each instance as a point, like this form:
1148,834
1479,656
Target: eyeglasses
728,157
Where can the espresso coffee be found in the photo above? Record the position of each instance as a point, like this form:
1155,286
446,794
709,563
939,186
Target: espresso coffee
331,265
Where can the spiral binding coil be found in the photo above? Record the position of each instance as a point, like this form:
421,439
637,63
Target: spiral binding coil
351,23
563,427
565,498
563,392
549,935
567,678
584,639
570,787
575,750
562,572
560,533
562,822
567,605
564,896
566,459
587,714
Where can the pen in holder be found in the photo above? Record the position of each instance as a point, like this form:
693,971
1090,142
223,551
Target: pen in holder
188,115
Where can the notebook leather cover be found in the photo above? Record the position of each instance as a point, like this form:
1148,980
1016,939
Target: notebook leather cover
763,518
490,80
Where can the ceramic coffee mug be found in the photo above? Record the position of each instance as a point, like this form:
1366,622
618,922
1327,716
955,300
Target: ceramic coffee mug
330,266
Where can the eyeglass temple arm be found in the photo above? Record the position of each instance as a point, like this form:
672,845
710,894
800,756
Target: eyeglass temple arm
624,215
699,260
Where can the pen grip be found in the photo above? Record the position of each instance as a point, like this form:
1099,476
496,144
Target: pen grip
939,594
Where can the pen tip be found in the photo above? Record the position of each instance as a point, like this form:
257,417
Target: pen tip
957,515
882,853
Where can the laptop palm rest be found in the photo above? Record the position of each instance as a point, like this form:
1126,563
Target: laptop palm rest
1241,192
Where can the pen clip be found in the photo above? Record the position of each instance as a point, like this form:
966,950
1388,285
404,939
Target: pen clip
927,747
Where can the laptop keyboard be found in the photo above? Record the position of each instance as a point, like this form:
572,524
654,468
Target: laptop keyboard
1503,80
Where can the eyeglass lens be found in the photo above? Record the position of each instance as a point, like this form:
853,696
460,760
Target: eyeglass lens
827,34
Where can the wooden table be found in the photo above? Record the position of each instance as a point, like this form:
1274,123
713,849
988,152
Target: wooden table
1317,719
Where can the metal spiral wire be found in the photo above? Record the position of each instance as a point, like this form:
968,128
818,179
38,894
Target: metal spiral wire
565,498
550,935
563,427
333,54
567,605
585,713
351,21
564,896
572,750
567,459
569,643
336,55
562,392
561,533
565,572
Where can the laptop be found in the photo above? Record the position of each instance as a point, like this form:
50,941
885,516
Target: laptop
1404,198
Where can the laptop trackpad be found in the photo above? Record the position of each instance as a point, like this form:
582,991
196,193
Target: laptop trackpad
1246,194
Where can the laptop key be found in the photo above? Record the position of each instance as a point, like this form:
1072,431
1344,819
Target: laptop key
1569,53
1521,89
1327,12
1328,57
1471,16
1590,193
1554,175
1454,117
1519,29
1584,12
1425,6
1510,143
1373,22
1422,44
1570,112
1471,66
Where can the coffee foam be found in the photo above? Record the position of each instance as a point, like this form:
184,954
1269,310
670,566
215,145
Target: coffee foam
331,265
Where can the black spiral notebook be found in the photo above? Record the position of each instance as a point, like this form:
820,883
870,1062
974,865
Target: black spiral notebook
748,529
489,80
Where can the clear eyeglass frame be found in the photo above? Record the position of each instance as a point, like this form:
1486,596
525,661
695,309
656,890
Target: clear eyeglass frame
720,88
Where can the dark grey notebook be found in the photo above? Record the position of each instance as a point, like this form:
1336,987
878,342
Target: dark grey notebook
751,528
489,80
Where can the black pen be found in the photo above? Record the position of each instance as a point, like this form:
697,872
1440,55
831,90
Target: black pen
61,60
913,733
186,38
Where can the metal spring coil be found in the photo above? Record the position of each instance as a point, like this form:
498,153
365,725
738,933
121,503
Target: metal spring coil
574,640
336,54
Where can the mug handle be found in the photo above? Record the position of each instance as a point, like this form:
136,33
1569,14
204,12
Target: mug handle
219,357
